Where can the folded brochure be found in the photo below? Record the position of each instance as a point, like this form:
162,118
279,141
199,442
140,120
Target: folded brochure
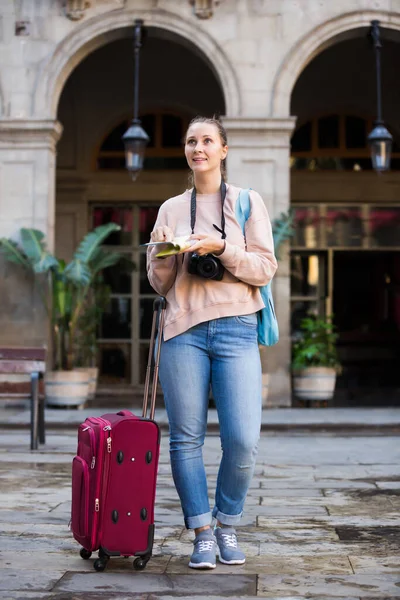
170,248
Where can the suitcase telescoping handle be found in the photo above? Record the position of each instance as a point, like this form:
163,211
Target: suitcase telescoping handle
158,324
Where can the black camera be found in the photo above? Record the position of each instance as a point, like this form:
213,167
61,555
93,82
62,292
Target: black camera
207,266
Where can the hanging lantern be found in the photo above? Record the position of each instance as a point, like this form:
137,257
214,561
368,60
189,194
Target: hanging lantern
135,140
379,140
380,143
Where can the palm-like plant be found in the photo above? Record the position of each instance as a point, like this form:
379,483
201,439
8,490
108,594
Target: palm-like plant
68,286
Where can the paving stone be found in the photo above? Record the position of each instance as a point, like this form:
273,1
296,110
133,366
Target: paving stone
337,484
73,596
335,471
288,483
283,493
35,560
162,532
372,507
378,471
14,528
375,564
202,582
312,534
37,458
34,544
295,522
156,597
302,548
301,501
289,471
329,521
358,586
27,596
28,579
388,485
32,516
291,511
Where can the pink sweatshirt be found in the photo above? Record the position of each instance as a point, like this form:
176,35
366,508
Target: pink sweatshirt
249,262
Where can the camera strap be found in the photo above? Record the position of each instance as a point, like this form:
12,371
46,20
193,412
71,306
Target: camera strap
193,211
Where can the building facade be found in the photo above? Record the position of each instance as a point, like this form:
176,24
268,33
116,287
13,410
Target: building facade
295,85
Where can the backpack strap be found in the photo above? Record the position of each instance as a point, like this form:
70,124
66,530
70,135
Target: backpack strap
242,209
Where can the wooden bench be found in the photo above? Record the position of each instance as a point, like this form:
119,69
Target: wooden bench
28,361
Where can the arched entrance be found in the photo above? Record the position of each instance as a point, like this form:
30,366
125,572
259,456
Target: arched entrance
316,41
345,256
103,29
93,186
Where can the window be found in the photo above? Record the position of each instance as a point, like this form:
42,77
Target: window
123,336
164,150
365,227
334,143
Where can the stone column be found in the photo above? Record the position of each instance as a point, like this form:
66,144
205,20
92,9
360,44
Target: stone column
27,199
259,153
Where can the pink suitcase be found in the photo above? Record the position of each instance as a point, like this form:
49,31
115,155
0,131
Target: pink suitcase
114,476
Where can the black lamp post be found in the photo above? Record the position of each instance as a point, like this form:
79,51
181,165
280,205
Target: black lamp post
379,140
135,138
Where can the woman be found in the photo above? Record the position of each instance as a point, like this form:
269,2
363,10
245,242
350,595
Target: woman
210,338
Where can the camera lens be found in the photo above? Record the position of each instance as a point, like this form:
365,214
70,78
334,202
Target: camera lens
207,267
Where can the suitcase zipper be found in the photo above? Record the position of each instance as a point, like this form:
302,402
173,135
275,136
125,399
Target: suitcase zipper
107,459
103,465
92,437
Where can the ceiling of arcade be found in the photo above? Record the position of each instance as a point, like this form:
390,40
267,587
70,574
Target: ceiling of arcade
99,93
342,80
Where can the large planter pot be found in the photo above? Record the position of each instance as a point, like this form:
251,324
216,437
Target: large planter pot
67,388
93,373
314,383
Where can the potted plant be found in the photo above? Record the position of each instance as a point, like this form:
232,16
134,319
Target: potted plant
96,304
67,291
315,360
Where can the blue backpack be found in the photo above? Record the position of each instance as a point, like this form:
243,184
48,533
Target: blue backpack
267,324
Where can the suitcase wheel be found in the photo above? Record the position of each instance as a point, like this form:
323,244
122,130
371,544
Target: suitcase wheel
139,564
85,554
100,564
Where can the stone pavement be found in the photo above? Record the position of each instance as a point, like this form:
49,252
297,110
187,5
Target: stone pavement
322,521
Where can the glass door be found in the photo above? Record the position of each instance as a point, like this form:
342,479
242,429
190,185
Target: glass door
124,333
309,285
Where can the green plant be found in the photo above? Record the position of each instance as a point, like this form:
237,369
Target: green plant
67,290
97,302
282,230
316,346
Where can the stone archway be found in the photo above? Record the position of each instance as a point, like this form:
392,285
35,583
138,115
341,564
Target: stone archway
105,28
312,44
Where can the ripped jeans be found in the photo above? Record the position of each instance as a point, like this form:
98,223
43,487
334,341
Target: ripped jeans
224,353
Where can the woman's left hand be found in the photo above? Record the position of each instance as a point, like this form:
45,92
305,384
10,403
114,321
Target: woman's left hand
206,245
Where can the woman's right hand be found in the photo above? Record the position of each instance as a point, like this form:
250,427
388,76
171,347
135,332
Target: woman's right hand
162,234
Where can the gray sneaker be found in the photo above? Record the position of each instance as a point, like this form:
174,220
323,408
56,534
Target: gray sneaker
205,549
229,553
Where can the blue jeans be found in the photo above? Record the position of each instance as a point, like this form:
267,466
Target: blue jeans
224,353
